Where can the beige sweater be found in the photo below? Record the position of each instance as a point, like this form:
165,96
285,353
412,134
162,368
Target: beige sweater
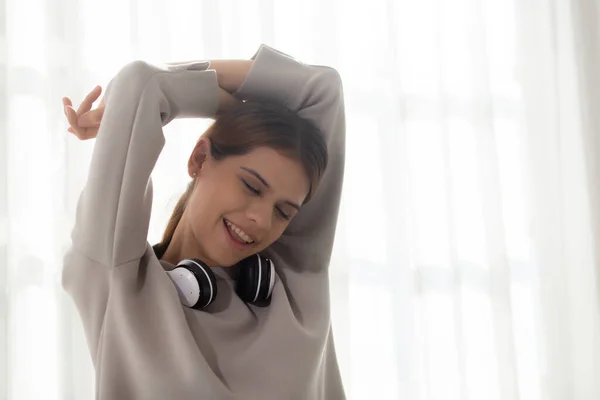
144,344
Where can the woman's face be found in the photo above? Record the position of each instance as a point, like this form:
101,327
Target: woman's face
241,204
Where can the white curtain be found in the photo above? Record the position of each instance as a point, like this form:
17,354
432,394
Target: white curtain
466,265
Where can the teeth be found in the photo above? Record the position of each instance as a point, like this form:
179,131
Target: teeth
242,235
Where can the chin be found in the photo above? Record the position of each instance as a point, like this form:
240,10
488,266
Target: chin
229,264
227,261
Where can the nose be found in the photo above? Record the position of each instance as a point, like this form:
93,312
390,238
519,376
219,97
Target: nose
261,213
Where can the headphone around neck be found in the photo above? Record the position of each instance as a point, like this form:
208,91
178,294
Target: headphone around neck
197,285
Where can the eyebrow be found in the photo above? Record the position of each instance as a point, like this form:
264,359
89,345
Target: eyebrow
264,182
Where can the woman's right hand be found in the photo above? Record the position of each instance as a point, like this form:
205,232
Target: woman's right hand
85,122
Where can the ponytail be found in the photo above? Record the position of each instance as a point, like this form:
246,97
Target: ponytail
161,247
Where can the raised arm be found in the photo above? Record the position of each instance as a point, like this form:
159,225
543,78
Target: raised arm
315,93
113,212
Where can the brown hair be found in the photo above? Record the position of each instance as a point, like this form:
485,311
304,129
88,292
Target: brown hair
255,124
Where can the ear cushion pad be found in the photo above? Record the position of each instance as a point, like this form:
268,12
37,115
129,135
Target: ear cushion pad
256,278
206,281
266,281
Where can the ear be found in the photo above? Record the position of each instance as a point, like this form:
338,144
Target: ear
199,155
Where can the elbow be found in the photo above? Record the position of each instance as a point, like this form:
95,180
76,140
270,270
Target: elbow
329,84
134,76
138,70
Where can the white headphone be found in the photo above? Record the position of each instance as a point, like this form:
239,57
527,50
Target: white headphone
197,286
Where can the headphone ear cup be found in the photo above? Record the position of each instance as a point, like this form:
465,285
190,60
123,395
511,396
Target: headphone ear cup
256,279
195,282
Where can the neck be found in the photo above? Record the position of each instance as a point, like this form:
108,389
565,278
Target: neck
183,245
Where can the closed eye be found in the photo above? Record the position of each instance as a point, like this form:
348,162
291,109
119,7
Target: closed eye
250,187
256,191
282,214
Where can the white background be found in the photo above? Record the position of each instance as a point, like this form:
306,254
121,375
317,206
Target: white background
465,264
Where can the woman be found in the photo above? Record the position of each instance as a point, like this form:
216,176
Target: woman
252,173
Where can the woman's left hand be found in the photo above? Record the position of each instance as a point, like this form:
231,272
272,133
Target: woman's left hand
231,73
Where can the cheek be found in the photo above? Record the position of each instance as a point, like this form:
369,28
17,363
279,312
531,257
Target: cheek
201,209
211,202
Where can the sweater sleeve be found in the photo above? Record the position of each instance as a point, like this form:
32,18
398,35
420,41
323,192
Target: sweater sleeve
315,93
113,211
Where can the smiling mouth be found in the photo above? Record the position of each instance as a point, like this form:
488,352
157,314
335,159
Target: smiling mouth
237,236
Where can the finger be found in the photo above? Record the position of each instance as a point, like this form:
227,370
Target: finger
66,102
72,118
86,104
91,119
71,130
